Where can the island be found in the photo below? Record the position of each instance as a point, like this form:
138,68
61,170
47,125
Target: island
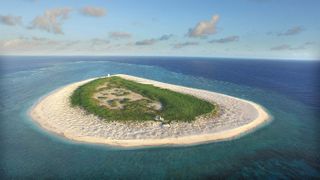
128,111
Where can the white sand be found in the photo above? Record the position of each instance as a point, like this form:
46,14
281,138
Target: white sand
236,117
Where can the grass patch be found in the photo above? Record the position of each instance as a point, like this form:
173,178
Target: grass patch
175,106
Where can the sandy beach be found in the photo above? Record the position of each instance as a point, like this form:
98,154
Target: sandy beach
236,117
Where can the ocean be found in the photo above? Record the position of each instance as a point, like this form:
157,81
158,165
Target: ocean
287,147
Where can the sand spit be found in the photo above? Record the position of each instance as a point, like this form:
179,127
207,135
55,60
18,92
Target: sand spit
236,116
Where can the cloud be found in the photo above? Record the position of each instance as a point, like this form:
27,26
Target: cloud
10,20
11,43
98,41
119,35
38,38
39,45
225,40
23,44
292,31
51,21
93,11
181,45
166,37
146,42
204,28
309,43
43,46
286,47
281,47
152,41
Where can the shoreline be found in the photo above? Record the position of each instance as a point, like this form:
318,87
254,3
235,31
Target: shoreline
75,124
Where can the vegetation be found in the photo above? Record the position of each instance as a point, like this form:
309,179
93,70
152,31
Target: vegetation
175,106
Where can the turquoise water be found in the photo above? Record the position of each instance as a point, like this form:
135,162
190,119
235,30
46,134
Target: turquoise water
286,147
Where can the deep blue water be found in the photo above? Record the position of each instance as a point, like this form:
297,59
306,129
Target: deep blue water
297,79
288,147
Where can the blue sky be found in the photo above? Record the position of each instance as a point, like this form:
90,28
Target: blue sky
279,29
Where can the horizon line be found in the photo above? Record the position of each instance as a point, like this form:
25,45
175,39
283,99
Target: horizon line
172,56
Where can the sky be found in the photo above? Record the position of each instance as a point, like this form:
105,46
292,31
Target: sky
268,29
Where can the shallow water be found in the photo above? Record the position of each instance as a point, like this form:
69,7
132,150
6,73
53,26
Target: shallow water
286,147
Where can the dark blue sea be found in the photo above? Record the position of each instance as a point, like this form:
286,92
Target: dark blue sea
288,147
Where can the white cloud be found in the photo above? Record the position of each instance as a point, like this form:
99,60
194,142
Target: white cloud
39,45
119,35
98,42
12,43
204,28
286,47
25,45
51,21
292,31
152,41
10,20
225,40
310,43
38,38
146,42
93,11
181,45
166,37
281,47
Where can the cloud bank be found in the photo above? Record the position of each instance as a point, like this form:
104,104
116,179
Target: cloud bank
24,44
